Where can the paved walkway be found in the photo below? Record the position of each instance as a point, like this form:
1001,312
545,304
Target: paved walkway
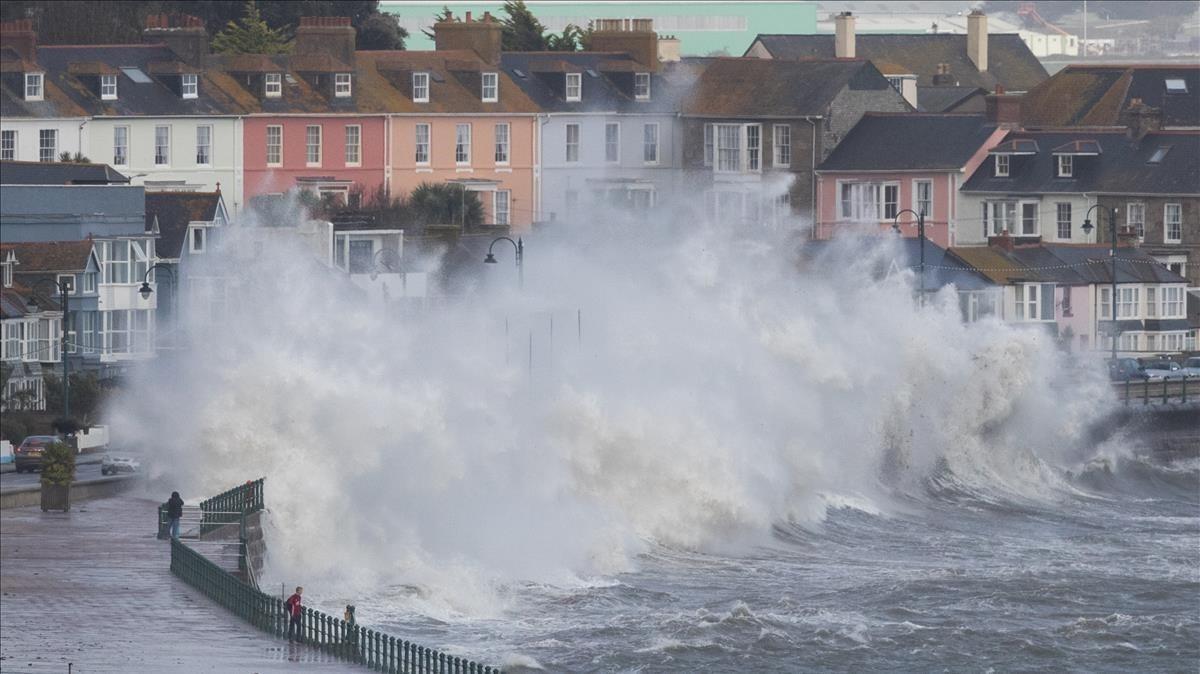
93,587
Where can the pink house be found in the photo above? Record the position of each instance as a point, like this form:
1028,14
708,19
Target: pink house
891,166
329,154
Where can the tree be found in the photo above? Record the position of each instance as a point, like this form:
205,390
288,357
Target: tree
77,158
571,39
443,203
444,15
251,35
381,32
522,30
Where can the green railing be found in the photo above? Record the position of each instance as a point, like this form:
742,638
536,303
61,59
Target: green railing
229,507
345,640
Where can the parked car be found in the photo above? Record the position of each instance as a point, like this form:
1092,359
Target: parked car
1121,369
111,465
1191,367
1160,369
28,456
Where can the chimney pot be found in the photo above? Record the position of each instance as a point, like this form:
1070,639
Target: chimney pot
482,37
468,16
182,33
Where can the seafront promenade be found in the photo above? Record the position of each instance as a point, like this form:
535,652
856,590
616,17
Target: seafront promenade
92,588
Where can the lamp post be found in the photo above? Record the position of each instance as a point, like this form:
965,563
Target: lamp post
920,239
63,286
519,247
1112,232
146,290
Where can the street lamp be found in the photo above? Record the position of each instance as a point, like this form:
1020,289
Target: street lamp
64,286
920,238
1112,233
519,247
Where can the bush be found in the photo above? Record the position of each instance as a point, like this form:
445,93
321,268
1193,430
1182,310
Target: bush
58,465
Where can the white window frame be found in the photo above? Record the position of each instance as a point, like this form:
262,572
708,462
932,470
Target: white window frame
1173,301
710,143
1064,166
641,86
651,141
1030,301
273,85
89,282
917,201
1003,165
120,145
206,159
612,144
462,144
866,201
754,144
574,87
197,239
70,278
47,153
1128,302
353,136
1059,221
342,85
108,87
1177,223
571,143
189,85
503,138
1138,223
1152,301
162,145
781,145
1016,224
502,215
309,146
277,147
489,87
420,147
420,87
35,86
8,145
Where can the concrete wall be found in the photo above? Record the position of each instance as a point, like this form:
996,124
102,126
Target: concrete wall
83,490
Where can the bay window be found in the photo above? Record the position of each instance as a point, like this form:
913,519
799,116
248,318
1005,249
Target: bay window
1127,302
1172,302
866,202
1106,303
1035,301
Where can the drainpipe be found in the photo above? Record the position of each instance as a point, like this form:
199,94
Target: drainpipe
540,120
813,208
80,136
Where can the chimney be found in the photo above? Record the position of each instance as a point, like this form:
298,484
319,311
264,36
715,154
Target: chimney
184,34
636,37
844,39
325,35
977,39
481,37
668,49
1004,109
1141,119
943,78
1002,241
18,35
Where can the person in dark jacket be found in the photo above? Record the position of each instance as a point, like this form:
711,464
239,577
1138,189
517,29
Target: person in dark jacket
174,513
294,610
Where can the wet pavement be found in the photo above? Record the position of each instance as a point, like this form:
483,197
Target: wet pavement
92,588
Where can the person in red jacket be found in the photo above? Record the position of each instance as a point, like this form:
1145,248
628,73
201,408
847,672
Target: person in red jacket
292,605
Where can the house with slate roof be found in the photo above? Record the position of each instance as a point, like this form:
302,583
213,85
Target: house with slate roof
40,266
891,163
30,325
190,226
950,72
1140,96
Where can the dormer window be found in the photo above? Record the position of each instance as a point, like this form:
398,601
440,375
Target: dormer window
33,86
491,87
1002,161
197,240
189,86
108,87
420,90
574,87
641,86
1066,166
273,87
341,85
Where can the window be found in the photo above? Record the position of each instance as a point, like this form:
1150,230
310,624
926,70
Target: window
1035,301
1063,218
116,329
33,86
108,87
47,145
641,86
1029,218
1106,303
1066,165
574,87
312,144
612,142
188,85
120,145
462,144
1172,302
421,151
501,202
1160,154
420,88
203,145
977,305
353,145
89,282
69,279
274,145
1151,302
709,143
273,86
8,145
866,202
197,240
491,87
1135,218
1173,223
782,142
753,147
1175,85
115,258
572,143
891,198
923,195
341,85
502,143
1001,216
650,143
1002,165
162,145
1127,302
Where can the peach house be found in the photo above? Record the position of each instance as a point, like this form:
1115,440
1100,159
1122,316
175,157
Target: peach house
891,166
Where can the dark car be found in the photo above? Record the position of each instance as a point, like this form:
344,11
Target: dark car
28,455
1122,369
